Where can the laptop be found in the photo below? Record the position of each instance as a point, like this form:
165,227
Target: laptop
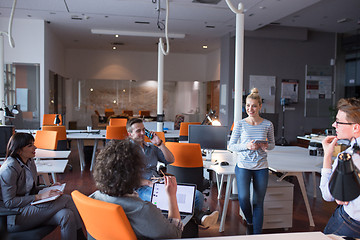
185,197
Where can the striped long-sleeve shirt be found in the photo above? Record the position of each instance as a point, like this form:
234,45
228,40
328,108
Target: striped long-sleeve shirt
243,133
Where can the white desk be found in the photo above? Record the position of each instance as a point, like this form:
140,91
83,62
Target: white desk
51,154
50,166
292,161
44,165
80,136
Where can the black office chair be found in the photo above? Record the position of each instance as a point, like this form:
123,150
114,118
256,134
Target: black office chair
32,234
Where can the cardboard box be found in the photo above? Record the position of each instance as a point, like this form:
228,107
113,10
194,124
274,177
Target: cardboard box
338,149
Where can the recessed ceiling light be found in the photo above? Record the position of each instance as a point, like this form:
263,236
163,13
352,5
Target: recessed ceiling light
117,35
204,46
91,89
114,48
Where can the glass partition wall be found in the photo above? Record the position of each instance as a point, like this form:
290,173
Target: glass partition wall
119,95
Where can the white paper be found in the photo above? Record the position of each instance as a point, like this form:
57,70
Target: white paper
56,187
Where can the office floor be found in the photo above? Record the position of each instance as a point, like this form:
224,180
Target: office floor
321,210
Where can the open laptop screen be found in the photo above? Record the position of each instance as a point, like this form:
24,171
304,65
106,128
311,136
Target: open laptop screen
185,197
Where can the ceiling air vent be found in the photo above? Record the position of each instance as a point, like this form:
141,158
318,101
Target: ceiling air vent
207,1
117,43
142,22
76,17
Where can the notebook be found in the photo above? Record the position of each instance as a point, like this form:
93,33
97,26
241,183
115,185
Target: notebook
185,197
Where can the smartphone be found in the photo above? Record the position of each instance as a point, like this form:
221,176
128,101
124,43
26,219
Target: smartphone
148,134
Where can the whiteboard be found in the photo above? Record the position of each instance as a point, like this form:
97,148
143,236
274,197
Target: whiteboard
318,91
22,98
266,86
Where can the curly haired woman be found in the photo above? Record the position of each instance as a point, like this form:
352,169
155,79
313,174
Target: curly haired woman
117,173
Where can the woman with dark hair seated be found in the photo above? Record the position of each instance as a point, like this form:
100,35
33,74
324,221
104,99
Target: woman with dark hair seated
118,171
19,188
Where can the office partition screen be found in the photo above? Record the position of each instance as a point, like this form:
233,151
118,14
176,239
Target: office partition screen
209,137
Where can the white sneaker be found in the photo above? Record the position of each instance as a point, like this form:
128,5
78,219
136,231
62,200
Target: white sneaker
210,220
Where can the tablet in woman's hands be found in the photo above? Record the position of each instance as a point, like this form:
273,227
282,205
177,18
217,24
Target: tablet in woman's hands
260,141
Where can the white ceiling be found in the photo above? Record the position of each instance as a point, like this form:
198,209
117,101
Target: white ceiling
201,23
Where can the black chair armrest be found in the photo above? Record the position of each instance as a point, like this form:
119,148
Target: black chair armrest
8,212
4,212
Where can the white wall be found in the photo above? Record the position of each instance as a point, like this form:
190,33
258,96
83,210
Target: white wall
54,61
29,47
213,66
29,41
126,65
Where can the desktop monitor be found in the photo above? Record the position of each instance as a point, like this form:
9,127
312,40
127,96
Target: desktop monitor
209,137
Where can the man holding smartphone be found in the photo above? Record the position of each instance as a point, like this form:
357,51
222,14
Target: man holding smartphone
155,152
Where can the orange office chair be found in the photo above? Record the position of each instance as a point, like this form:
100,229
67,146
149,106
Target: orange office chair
48,119
61,136
109,112
118,122
188,165
143,113
46,140
184,130
116,132
161,135
128,112
103,220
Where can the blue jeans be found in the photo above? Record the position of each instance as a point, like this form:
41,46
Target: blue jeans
341,224
255,214
145,194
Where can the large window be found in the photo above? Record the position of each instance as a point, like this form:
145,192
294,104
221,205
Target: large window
22,91
352,76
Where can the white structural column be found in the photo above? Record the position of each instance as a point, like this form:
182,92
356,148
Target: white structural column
2,80
239,59
160,90
239,66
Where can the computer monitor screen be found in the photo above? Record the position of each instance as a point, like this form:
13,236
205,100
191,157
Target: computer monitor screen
209,137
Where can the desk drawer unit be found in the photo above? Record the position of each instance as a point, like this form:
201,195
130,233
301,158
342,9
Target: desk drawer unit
278,204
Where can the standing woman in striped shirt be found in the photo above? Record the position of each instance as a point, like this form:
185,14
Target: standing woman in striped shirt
252,160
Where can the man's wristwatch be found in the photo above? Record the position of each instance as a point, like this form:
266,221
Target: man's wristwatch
161,142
